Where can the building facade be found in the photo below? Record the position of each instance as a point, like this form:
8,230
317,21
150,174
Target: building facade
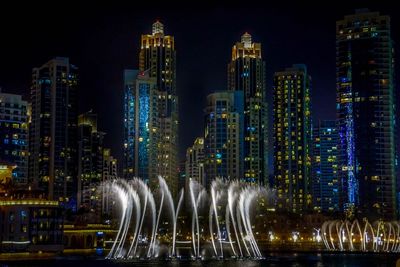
31,224
194,165
90,162
109,173
292,137
129,123
325,186
142,127
366,114
158,57
6,178
246,73
223,145
53,130
14,135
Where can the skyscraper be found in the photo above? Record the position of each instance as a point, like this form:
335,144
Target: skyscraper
90,161
366,113
246,73
325,187
158,57
223,137
194,165
129,123
141,146
292,136
14,135
53,130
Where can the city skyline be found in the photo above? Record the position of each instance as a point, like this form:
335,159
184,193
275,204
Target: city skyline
205,133
94,55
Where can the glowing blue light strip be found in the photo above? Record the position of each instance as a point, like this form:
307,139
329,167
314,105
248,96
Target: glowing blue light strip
351,181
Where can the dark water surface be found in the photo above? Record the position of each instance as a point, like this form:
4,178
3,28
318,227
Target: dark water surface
271,260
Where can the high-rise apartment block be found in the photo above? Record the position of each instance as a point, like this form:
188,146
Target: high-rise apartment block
223,138
325,186
366,100
246,73
292,137
53,130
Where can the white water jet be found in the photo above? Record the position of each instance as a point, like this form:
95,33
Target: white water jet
144,189
175,222
138,205
123,198
127,219
232,196
215,196
350,236
195,217
196,197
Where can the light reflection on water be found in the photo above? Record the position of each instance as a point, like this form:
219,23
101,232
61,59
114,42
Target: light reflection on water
272,260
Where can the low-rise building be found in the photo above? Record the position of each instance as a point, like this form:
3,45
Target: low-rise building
31,224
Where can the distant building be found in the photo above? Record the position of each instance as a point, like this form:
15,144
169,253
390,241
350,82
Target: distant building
14,135
53,130
109,166
292,137
325,177
246,73
194,165
366,108
182,176
223,145
90,162
89,236
109,174
31,224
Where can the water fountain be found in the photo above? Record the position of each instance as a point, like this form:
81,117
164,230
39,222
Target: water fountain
379,236
229,206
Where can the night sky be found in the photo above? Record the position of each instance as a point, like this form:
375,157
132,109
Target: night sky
102,40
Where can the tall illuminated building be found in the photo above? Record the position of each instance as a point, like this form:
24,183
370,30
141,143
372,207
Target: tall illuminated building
292,136
53,130
366,113
246,73
90,161
325,186
158,57
194,165
223,137
141,127
129,123
14,135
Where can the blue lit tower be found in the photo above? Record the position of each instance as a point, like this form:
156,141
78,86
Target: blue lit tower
223,137
53,130
325,183
129,123
246,73
292,137
141,129
366,114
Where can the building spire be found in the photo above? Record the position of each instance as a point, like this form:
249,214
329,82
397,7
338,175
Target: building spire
246,40
158,28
